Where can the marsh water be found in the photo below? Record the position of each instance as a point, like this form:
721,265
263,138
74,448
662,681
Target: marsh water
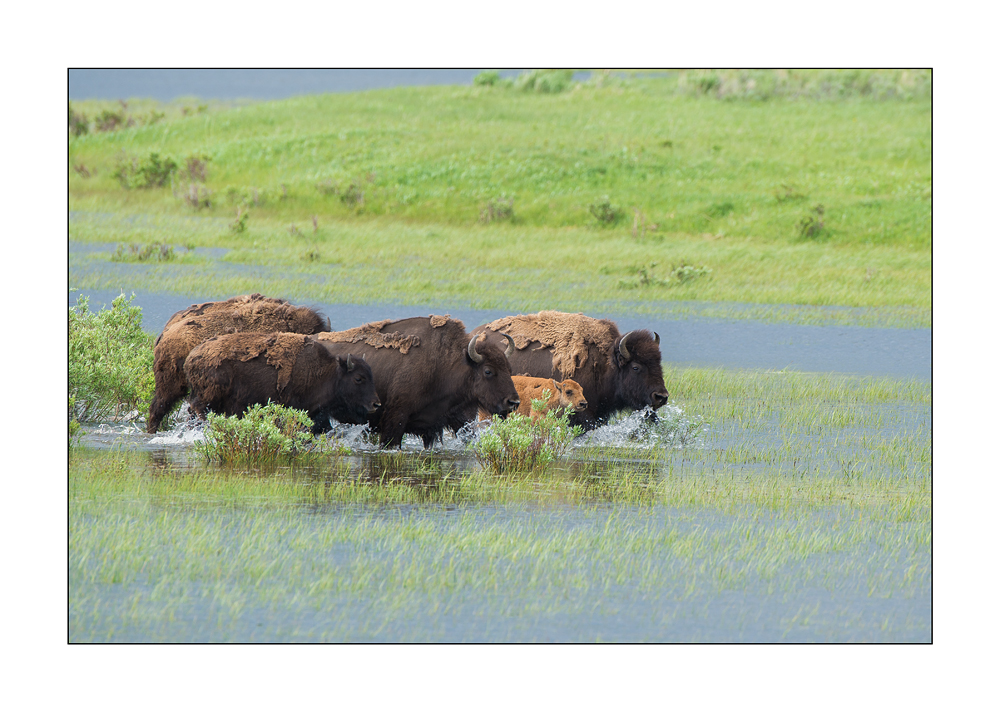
258,84
901,353
631,584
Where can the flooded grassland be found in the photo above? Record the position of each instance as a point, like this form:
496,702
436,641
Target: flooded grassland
764,506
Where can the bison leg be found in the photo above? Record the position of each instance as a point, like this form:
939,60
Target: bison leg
392,427
321,424
163,401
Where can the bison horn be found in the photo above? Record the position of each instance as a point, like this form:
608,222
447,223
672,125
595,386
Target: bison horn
473,354
510,346
329,326
621,347
656,338
350,363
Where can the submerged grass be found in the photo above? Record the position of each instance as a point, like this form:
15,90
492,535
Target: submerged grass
780,522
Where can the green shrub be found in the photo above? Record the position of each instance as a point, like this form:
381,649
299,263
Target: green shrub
154,172
74,424
497,209
544,81
605,212
110,361
264,434
764,84
517,445
240,223
678,274
811,226
152,252
78,123
487,78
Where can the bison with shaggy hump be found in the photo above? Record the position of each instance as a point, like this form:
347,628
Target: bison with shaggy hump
430,374
189,327
616,372
228,374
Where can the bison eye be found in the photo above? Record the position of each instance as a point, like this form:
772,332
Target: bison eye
488,372
358,379
635,367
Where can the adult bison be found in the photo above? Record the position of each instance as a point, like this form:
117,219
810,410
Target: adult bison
189,327
227,374
616,372
429,373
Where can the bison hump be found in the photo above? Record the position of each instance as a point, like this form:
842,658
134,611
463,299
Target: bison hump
281,351
568,335
372,335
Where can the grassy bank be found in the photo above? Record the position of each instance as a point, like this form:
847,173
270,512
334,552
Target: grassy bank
487,194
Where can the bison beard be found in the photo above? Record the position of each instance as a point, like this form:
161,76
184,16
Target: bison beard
613,376
229,373
440,381
251,313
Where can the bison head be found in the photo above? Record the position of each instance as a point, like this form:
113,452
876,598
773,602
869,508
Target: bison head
356,396
571,395
639,371
490,379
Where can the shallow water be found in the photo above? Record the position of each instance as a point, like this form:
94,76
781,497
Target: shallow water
702,342
454,592
169,84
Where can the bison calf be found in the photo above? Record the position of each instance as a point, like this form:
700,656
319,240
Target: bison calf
561,396
227,374
558,396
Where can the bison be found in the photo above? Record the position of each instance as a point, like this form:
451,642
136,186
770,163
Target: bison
561,396
430,374
227,374
558,396
616,372
189,327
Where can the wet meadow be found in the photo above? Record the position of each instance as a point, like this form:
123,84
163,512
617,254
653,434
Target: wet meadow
760,505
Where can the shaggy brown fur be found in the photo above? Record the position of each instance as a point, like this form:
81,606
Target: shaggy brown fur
370,334
229,373
555,345
280,349
567,334
437,385
186,329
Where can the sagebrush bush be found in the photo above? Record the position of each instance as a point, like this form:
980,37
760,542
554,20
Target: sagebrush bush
264,434
518,445
830,84
544,81
153,172
110,361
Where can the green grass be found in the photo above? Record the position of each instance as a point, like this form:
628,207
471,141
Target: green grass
802,512
720,184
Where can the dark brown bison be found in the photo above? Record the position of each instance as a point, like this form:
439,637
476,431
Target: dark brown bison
227,374
187,328
430,374
616,372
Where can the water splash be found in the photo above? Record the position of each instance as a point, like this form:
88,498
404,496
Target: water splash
188,429
668,427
